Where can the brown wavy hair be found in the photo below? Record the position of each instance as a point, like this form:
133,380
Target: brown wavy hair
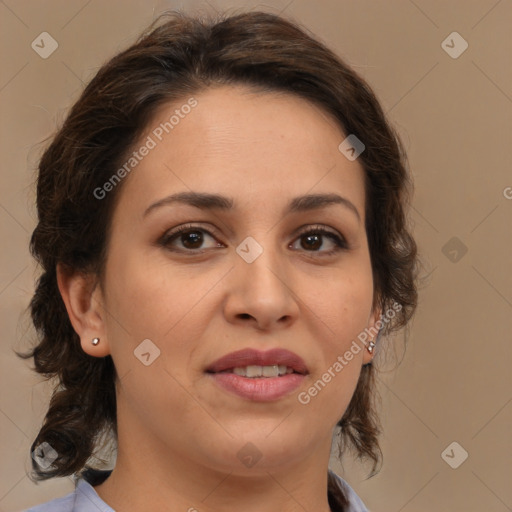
177,56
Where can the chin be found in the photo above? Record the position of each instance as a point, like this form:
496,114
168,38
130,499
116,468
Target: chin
259,450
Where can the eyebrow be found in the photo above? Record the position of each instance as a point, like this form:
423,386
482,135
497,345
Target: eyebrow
206,201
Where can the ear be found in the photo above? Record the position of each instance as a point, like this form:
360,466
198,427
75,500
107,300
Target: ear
374,325
83,298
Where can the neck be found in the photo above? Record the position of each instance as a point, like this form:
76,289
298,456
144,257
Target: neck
149,476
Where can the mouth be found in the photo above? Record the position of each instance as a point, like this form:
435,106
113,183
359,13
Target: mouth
256,364
259,376
255,371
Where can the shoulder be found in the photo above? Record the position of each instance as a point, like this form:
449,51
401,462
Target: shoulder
83,499
355,502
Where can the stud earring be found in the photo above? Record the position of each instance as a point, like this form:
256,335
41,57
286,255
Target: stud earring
371,346
95,341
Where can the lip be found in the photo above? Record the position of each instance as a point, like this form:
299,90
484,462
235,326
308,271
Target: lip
259,389
250,356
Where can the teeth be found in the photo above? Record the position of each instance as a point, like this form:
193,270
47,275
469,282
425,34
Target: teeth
254,371
271,371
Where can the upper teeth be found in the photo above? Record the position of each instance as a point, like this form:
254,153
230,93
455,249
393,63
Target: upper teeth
262,371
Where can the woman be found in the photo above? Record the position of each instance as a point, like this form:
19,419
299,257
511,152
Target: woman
223,242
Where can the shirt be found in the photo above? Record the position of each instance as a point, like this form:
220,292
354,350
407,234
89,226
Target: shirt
85,499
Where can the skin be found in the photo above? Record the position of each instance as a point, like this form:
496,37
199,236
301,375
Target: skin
179,433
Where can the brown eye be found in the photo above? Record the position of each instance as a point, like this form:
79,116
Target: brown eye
191,239
188,238
311,242
314,239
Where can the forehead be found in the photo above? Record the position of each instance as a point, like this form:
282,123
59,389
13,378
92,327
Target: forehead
257,147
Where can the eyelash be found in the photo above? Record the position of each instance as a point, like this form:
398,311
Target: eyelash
168,237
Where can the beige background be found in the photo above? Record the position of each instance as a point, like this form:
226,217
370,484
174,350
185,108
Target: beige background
455,117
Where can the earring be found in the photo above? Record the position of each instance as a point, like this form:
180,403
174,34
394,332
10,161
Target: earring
95,341
371,346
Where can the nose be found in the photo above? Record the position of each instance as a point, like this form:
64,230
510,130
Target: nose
261,294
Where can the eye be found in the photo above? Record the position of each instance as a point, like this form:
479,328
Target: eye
313,239
190,237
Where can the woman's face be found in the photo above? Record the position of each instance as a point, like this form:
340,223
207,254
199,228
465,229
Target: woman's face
240,278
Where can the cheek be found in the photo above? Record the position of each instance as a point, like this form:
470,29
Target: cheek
341,315
147,300
150,296
150,299
328,396
342,303
342,310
